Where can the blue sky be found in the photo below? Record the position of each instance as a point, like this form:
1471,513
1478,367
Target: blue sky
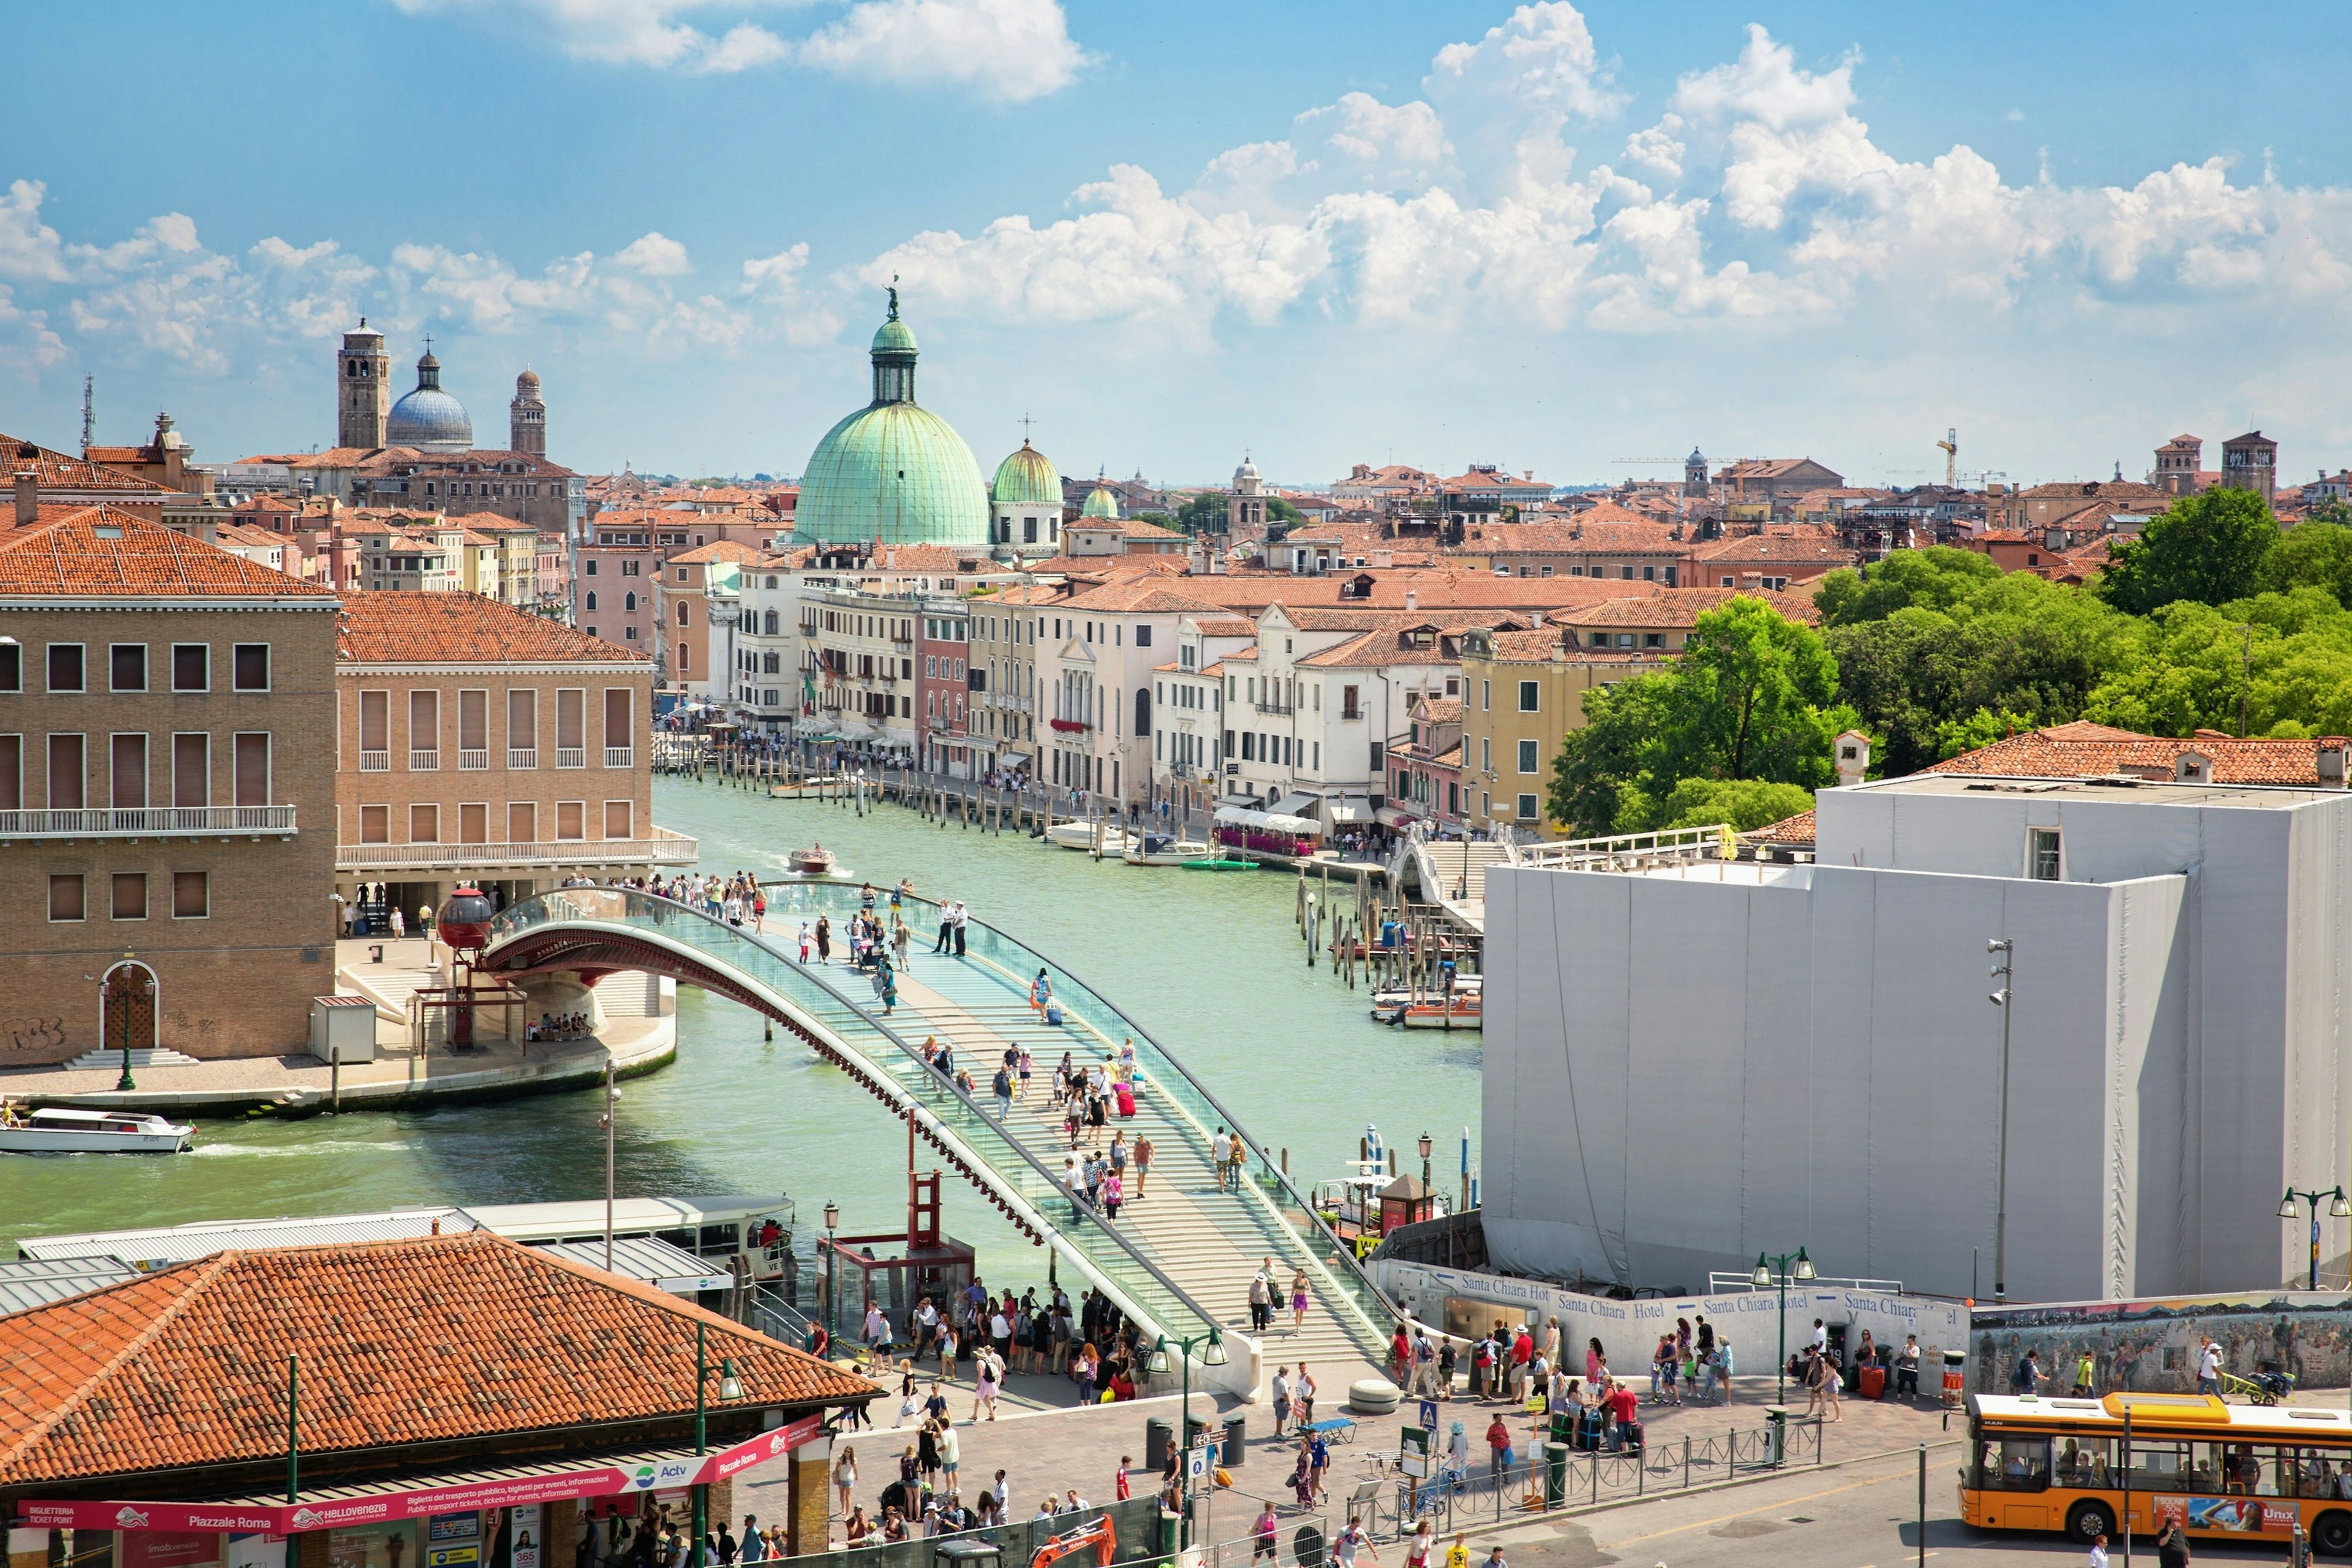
1551,236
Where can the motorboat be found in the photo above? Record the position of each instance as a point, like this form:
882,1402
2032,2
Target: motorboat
1389,1005
1083,836
815,861
1458,1012
1218,860
810,786
60,1130
1161,849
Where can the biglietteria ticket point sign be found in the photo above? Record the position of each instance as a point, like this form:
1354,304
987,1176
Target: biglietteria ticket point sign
555,1484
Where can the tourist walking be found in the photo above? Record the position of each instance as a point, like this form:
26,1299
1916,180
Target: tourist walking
1144,1152
1261,1298
1297,1299
844,1476
1281,1399
823,939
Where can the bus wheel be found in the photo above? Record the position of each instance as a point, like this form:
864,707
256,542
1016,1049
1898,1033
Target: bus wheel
2331,1533
2090,1519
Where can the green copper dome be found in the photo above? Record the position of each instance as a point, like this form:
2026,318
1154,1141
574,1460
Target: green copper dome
893,471
1100,502
1026,478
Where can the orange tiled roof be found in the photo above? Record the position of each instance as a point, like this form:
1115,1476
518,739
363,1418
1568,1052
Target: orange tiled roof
2084,750
717,550
101,553
406,627
1682,607
1795,830
402,1342
1223,626
63,471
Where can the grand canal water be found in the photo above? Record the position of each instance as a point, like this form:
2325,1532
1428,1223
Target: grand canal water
1211,966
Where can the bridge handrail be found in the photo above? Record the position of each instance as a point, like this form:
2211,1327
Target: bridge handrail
1332,1248
542,909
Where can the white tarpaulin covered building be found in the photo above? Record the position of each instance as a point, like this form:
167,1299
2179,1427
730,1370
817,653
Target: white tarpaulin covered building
1687,1066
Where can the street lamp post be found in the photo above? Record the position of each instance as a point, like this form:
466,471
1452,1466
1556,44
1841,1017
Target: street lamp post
1425,1147
2007,949
832,1267
1770,1270
2338,1208
1214,1355
611,1102
730,1388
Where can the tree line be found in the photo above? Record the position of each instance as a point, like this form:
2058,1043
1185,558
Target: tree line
2213,617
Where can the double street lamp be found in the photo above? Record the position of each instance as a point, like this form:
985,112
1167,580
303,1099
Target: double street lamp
731,1387
1214,1355
1769,1271
2338,1208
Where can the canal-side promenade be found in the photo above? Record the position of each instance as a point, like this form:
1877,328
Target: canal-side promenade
400,1078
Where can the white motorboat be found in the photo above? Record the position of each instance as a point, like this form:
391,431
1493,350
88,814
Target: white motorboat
1162,849
60,1130
1082,836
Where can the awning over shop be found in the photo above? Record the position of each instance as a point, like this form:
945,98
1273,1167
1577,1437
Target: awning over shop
1270,821
1013,759
1396,816
1297,803
414,1496
1348,808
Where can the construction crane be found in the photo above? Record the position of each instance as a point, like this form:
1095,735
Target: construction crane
1950,446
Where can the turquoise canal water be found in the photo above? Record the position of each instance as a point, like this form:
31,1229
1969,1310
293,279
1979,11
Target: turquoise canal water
1211,966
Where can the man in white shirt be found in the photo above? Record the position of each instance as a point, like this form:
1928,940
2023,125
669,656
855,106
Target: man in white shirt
1074,1181
2209,1368
1820,1337
1221,1149
927,1326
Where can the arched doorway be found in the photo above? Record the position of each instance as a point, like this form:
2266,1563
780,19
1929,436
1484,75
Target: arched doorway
127,995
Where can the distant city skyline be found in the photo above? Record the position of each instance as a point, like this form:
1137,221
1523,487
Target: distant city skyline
1578,241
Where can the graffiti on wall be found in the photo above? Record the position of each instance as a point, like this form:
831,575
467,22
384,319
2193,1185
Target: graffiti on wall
2151,1346
34,1032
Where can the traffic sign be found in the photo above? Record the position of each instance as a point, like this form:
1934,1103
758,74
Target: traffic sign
1429,1414
1200,1462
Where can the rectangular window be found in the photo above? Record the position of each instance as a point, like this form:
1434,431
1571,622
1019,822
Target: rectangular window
424,731
474,824
571,727
571,819
1350,703
1453,793
2043,860
522,822
1528,749
620,726
12,773
66,897
425,825
1377,749
375,731
67,782
191,770
1530,697
192,666
1485,696
191,894
1486,754
12,667
128,902
250,666
127,666
620,819
375,825
127,771
64,668
522,727
473,731
252,759
1526,808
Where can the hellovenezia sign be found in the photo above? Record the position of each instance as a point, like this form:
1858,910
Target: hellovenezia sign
664,1471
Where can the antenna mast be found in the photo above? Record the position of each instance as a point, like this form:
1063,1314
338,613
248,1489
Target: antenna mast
88,416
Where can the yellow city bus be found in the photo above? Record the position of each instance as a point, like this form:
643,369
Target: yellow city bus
2220,1470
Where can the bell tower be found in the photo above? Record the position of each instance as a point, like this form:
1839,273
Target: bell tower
527,417
363,388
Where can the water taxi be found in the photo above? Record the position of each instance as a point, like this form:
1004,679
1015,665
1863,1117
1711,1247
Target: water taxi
1083,836
1458,1012
815,861
1161,849
60,1130
1389,1006
811,786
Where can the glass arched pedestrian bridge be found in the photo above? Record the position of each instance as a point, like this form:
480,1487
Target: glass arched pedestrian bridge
1180,1261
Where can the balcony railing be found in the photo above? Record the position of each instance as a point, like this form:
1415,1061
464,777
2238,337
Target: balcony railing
571,756
423,762
474,760
1274,705
148,822
522,756
663,849
620,756
375,762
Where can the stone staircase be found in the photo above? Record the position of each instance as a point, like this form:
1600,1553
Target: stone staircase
1454,877
160,1056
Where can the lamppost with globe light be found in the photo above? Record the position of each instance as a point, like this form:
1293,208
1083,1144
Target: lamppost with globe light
1766,1269
1425,1147
731,1387
2338,1208
832,1267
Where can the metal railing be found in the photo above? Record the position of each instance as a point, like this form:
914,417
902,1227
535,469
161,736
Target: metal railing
1627,851
375,762
423,762
1146,1292
662,848
147,822
522,756
473,759
571,756
620,756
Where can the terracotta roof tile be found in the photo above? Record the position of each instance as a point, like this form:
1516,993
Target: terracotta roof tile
406,627
433,1339
1794,830
1223,626
2084,749
99,552
1682,607
63,471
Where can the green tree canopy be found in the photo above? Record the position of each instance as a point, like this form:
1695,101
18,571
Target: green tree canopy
2315,554
1202,513
2209,549
2287,658
1745,804
1752,697
1937,578
1280,510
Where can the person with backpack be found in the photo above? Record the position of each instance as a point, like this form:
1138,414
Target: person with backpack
2027,1377
1002,1084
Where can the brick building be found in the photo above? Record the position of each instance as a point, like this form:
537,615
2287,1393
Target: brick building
164,840
477,742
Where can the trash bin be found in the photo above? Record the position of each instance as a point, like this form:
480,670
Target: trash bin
1237,1438
1156,1434
1776,1433
1555,1474
967,1552
1172,1527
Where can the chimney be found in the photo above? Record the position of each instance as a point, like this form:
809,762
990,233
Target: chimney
2192,767
2332,752
2054,538
1852,758
1534,622
29,497
1412,599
